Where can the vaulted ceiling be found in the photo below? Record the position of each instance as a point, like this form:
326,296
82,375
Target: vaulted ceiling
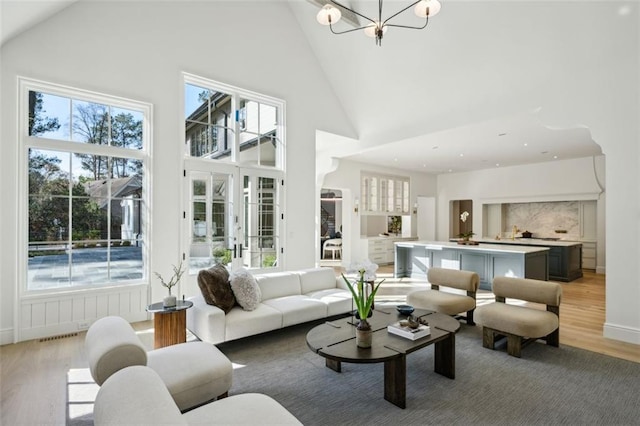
463,94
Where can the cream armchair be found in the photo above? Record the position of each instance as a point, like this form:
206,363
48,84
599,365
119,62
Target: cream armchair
521,325
193,372
138,396
447,302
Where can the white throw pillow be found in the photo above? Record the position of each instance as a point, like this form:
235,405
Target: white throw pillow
245,289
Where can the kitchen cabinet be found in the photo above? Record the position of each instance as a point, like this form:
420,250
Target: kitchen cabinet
413,259
565,263
382,194
381,250
565,257
589,254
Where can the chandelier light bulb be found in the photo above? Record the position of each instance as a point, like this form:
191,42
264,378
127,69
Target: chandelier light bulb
427,8
328,15
372,29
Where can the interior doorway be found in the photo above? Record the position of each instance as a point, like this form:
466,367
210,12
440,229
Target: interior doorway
330,226
460,224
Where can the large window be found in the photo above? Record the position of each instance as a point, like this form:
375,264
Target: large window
234,165
86,159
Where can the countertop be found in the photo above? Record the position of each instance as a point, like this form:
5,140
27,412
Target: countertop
528,242
391,237
484,247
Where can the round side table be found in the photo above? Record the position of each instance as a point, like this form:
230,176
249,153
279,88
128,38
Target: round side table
170,323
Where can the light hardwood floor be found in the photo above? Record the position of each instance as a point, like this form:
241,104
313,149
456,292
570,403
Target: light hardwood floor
37,379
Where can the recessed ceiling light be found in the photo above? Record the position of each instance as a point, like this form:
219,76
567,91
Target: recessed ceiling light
497,164
461,155
395,159
450,170
526,144
555,157
424,165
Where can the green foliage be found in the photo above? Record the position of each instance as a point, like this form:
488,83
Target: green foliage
363,303
38,122
395,224
269,261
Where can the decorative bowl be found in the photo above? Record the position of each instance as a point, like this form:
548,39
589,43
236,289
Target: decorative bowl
405,309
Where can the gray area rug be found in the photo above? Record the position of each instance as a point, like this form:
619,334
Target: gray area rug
546,386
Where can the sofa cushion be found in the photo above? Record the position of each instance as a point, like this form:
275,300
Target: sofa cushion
455,278
278,284
339,301
111,344
546,292
246,289
215,287
137,396
194,372
244,409
297,309
317,279
441,301
518,320
240,323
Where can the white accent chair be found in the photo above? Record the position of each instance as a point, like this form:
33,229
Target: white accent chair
445,302
137,396
333,245
194,373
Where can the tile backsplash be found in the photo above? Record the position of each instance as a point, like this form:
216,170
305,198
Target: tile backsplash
543,219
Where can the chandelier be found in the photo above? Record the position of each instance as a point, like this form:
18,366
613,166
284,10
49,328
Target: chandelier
330,15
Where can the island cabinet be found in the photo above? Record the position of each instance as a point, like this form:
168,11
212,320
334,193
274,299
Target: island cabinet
565,257
565,263
413,259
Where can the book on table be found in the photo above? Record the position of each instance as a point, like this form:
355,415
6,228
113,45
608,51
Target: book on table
407,332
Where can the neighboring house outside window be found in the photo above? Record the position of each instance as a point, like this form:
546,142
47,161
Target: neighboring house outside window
86,156
234,164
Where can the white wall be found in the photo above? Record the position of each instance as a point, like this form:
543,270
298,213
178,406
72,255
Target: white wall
347,177
138,50
565,180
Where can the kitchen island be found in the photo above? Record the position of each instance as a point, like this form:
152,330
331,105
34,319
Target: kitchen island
565,257
414,258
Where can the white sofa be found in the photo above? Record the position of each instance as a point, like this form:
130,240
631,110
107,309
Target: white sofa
288,298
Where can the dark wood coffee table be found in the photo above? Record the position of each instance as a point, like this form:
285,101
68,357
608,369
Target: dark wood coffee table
335,341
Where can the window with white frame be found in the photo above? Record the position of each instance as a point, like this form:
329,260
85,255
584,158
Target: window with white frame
234,149
85,158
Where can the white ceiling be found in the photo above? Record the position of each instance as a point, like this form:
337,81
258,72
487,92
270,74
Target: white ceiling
19,15
479,69
447,98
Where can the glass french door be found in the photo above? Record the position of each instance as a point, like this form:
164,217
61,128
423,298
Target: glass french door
232,217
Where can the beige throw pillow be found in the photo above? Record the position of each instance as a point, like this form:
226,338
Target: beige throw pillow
245,289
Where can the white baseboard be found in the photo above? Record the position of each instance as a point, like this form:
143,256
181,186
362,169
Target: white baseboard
70,327
6,336
601,270
619,332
